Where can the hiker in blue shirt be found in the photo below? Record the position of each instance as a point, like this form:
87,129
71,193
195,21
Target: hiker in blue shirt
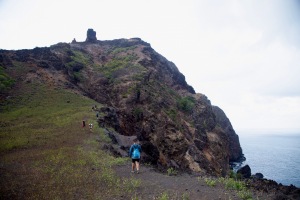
135,154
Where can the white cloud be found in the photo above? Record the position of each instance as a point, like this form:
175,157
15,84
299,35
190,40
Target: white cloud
266,113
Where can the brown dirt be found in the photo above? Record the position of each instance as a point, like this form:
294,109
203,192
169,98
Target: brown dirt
21,180
182,186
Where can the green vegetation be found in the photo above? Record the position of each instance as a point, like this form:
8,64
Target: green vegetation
6,82
118,64
236,176
32,117
210,182
172,113
230,184
234,184
78,62
122,50
79,57
186,104
164,196
122,58
185,196
41,136
239,186
137,113
135,197
172,172
245,194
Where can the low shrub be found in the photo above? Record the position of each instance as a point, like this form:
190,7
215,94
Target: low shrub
164,196
186,104
172,172
210,182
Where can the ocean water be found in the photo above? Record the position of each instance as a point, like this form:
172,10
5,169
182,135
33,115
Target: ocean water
276,156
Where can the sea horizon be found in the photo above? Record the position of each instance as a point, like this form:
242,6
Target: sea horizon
274,154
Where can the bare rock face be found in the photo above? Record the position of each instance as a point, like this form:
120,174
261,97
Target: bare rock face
91,36
235,150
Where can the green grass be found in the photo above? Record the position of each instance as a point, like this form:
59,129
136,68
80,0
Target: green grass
79,60
123,61
164,196
172,172
245,195
185,196
33,117
238,185
233,184
53,156
6,81
210,182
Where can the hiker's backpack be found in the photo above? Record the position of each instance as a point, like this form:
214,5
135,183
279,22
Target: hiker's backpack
136,152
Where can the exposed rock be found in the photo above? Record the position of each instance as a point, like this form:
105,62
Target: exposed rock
123,141
245,171
235,150
258,175
74,41
115,149
91,36
280,191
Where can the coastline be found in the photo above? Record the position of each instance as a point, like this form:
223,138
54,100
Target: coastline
273,155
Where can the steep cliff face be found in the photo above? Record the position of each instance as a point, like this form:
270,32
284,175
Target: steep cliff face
235,150
143,95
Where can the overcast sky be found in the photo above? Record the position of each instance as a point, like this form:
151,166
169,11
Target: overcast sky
244,55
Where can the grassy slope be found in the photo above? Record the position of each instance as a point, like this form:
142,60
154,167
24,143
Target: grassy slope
46,154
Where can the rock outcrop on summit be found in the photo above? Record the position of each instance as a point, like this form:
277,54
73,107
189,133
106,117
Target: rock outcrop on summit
91,36
143,95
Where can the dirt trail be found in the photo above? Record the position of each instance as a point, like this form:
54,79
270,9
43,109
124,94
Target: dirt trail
181,186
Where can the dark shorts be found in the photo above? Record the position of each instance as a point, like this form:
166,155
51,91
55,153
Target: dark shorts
135,160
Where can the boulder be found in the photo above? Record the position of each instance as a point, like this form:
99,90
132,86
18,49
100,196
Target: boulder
245,171
258,176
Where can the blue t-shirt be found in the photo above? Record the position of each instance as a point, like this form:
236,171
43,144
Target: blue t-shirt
135,151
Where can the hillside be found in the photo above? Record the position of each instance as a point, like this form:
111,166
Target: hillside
143,95
47,92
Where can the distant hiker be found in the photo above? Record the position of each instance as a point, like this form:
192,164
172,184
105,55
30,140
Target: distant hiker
91,126
97,115
83,123
135,154
94,107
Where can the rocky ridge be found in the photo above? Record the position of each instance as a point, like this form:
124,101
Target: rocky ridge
143,95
